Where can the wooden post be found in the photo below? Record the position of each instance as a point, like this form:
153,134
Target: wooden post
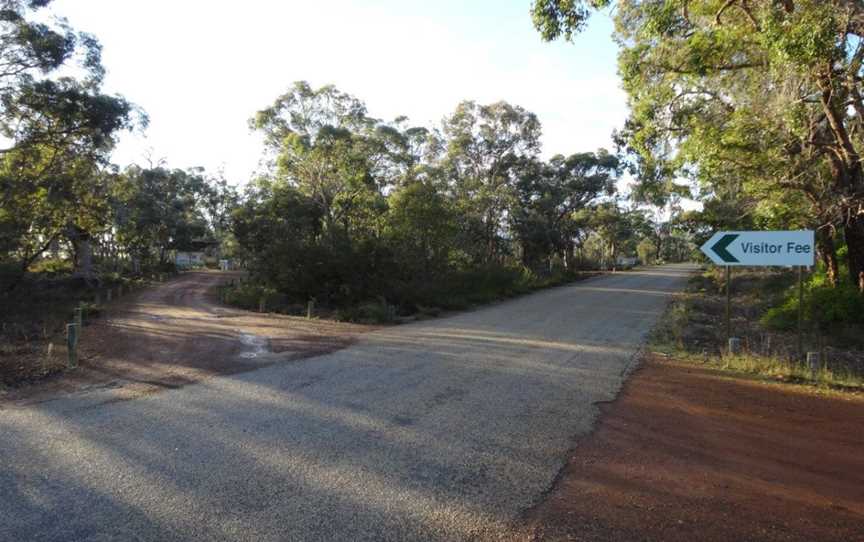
78,316
813,362
262,304
108,296
734,346
72,344
310,309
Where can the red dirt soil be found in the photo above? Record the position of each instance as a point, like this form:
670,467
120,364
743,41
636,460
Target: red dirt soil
175,334
688,453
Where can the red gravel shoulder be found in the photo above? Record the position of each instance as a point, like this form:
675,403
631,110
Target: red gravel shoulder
688,453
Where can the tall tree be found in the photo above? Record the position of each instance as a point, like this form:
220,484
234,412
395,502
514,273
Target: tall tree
324,144
550,197
486,144
763,94
57,129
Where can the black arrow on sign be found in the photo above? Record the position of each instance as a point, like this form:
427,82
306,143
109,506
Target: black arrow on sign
722,244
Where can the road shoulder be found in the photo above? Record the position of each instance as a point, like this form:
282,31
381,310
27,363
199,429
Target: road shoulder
691,453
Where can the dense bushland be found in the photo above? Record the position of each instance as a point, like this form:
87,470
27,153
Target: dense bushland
358,212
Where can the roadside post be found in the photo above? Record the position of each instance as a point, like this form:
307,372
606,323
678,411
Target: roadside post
728,304
78,316
72,344
800,311
763,249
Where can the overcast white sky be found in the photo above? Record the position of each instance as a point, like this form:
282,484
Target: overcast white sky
202,68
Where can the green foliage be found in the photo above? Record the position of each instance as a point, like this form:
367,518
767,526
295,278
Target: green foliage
556,18
51,267
758,103
248,295
355,209
824,305
58,129
647,251
373,312
157,210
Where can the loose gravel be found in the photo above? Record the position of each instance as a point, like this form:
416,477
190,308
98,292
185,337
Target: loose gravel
439,430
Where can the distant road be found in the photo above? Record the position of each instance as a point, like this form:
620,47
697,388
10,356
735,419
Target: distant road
440,430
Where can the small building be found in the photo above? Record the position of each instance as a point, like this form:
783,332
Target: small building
189,258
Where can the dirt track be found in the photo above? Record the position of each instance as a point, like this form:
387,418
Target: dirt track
176,334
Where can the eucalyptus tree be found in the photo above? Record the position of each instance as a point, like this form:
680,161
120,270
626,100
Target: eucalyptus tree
764,94
485,147
322,142
551,194
156,210
57,130
422,227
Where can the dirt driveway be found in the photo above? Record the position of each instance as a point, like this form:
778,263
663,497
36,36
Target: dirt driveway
177,333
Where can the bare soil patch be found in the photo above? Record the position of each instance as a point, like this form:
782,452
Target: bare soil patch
177,334
690,453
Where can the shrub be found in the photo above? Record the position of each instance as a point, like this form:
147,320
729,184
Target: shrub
249,295
823,305
378,312
52,267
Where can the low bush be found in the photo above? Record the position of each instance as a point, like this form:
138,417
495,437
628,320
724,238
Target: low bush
249,295
824,305
455,290
52,267
375,312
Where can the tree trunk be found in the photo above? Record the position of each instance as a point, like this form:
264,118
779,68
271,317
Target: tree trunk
84,258
828,254
569,262
83,248
853,231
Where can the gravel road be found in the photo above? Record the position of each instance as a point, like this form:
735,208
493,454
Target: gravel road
440,430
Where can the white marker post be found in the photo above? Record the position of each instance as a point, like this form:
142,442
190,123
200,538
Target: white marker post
762,249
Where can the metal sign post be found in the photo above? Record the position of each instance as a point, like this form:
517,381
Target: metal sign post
800,311
728,304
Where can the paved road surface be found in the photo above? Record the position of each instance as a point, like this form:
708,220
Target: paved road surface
440,430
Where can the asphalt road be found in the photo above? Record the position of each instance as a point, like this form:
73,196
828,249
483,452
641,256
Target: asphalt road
440,430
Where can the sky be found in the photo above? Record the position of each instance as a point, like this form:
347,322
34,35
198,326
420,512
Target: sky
200,69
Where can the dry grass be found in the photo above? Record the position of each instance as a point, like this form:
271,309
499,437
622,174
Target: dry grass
693,330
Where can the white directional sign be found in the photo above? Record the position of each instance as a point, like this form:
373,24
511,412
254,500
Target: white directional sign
761,248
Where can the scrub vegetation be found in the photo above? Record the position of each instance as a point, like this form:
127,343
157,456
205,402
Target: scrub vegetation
753,108
765,317
371,219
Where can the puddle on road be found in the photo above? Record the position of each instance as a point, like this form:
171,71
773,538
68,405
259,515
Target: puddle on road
255,345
